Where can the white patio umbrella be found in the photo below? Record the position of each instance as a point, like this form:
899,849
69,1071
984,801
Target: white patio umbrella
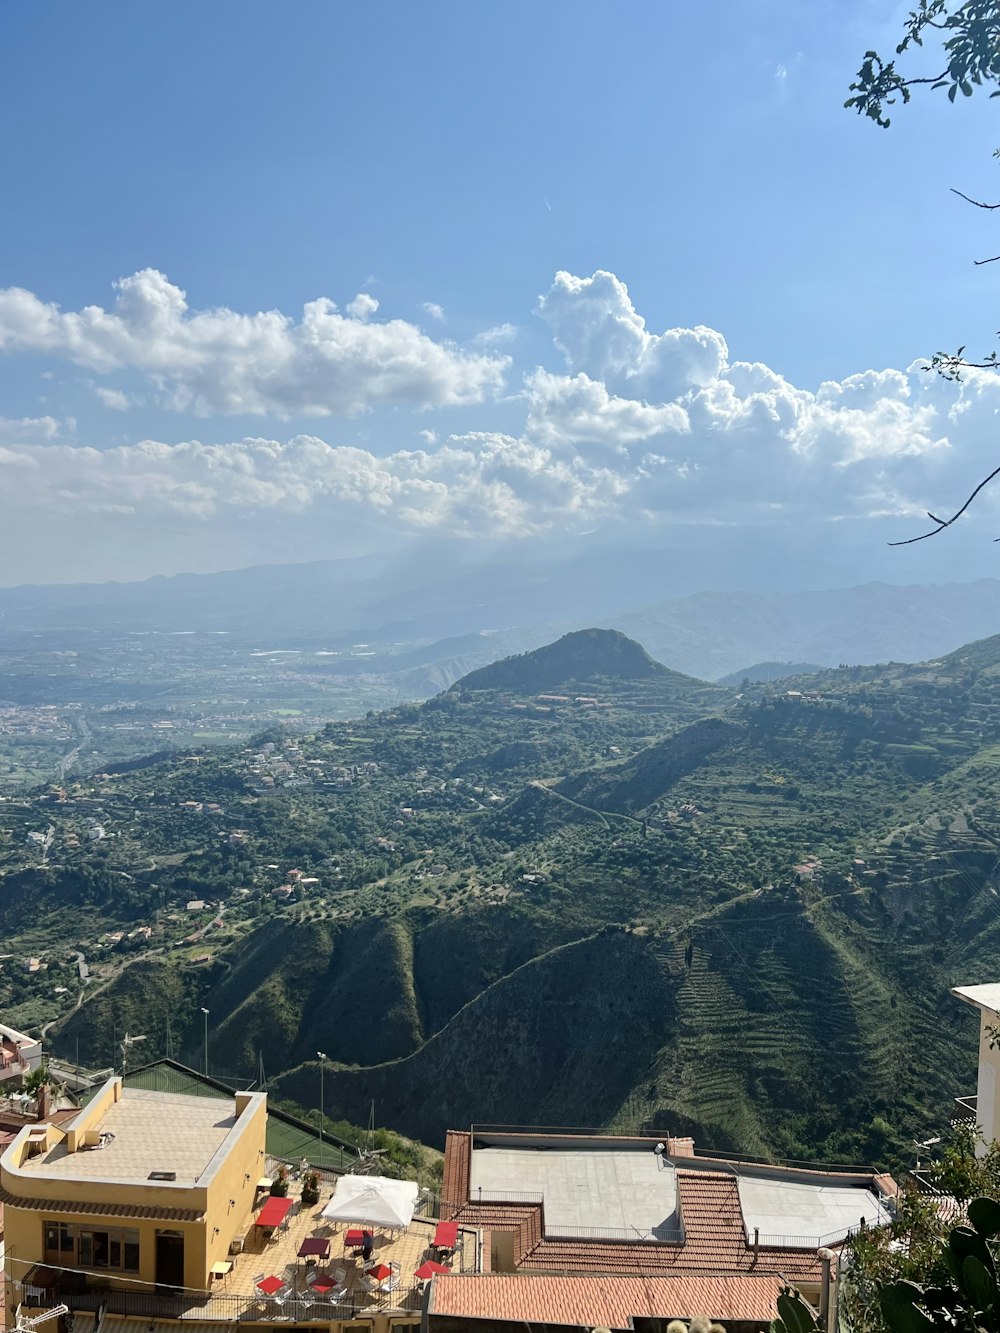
377,1200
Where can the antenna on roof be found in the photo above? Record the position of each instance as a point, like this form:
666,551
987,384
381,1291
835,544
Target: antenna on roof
128,1042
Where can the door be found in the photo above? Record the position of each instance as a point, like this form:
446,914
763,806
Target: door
170,1258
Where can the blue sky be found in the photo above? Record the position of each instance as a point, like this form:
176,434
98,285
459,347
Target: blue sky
447,160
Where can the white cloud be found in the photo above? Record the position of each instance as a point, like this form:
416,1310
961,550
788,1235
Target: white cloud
565,410
362,306
599,331
220,361
433,309
496,336
28,430
670,433
115,399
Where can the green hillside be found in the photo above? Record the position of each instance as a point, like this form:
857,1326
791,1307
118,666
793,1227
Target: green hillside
646,903
584,655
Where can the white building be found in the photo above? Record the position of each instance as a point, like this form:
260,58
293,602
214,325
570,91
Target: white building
19,1055
986,1104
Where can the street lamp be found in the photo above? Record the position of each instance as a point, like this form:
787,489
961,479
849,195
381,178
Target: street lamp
205,1012
323,1057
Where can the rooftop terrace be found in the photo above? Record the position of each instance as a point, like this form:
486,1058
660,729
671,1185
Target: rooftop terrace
142,1132
236,1296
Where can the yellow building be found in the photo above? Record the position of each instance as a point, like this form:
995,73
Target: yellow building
140,1213
140,1187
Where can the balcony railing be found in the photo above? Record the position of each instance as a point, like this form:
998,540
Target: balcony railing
965,1111
219,1308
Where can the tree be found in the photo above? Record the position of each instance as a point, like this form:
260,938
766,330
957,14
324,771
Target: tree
969,35
910,1256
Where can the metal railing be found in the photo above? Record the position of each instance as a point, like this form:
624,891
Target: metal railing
223,1308
966,1111
774,1241
479,1195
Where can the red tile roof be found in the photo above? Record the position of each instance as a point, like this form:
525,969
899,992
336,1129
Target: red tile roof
101,1209
615,1301
715,1238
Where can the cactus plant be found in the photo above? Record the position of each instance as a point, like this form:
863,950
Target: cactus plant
795,1314
971,1300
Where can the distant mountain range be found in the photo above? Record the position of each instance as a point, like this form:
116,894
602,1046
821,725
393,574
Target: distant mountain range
425,624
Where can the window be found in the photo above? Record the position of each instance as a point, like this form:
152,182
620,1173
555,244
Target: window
59,1241
116,1249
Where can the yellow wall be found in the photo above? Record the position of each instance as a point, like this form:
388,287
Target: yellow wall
231,1190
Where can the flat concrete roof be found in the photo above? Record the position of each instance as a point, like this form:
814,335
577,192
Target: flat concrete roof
792,1213
587,1191
982,997
152,1131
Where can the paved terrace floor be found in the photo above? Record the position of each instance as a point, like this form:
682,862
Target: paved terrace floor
236,1296
279,1256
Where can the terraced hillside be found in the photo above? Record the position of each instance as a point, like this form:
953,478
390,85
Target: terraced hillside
630,899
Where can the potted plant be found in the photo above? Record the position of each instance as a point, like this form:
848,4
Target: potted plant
279,1185
310,1188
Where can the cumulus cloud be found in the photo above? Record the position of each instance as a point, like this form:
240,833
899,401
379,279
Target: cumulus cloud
217,362
471,484
644,429
433,309
599,331
28,430
362,306
565,410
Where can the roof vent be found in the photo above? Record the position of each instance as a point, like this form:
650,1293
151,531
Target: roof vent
162,1175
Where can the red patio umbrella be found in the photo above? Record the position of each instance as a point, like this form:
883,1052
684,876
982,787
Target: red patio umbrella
429,1268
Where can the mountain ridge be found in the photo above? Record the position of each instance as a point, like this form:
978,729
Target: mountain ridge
577,657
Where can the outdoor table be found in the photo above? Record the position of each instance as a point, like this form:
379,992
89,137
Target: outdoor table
273,1213
316,1246
223,1268
355,1237
322,1284
429,1268
379,1272
264,1183
269,1285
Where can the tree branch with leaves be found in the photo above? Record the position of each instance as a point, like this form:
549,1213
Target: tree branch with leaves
968,32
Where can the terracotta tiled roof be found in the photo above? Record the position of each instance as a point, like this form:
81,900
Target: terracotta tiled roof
615,1301
714,1236
102,1209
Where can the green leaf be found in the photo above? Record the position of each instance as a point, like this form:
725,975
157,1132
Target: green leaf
796,1315
984,1214
979,1283
952,91
897,1302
